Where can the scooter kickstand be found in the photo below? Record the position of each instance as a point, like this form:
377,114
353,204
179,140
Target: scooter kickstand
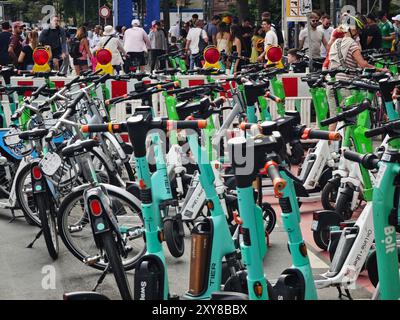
14,217
347,293
102,277
37,237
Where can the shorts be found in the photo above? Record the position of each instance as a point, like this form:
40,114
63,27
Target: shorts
80,62
137,58
330,94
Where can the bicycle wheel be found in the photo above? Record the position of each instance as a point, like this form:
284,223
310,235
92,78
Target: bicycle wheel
117,268
77,235
23,189
47,215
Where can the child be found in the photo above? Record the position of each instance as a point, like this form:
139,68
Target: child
295,61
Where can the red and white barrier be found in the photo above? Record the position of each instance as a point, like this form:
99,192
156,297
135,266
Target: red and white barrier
294,88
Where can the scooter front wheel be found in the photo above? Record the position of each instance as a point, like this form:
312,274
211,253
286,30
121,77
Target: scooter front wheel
329,194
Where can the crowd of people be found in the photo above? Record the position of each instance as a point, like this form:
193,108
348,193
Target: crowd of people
134,47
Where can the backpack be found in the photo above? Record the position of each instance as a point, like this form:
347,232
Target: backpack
74,51
202,43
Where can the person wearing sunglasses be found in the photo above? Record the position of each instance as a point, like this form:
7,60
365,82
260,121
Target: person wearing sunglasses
327,29
317,38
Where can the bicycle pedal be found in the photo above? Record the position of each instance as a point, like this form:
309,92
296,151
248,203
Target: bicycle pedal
89,261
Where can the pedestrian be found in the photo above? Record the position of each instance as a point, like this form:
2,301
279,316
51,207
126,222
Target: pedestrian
257,43
5,38
193,21
55,38
15,46
275,28
247,32
174,31
159,45
374,36
25,58
295,61
346,53
327,30
196,41
317,39
223,38
94,41
396,26
81,63
238,48
387,31
136,43
211,29
271,39
110,41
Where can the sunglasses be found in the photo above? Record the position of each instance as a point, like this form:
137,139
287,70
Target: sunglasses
314,20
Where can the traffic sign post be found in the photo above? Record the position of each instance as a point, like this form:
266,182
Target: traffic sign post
105,12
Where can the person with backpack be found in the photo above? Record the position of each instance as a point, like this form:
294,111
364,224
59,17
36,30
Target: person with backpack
196,42
346,53
55,38
80,51
111,42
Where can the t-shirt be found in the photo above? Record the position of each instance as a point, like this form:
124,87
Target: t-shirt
5,38
211,30
327,36
270,39
247,40
28,60
386,30
316,41
16,44
174,31
194,37
374,32
347,47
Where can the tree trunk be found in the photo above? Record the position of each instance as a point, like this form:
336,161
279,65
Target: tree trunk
166,8
262,6
243,9
386,7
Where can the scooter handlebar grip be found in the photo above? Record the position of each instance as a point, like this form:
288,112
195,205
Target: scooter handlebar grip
116,99
105,127
353,156
272,97
375,132
219,102
169,85
272,170
309,133
185,124
327,122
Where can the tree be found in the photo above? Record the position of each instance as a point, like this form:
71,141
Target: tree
243,9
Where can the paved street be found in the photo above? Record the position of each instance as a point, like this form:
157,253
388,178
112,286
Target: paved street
25,272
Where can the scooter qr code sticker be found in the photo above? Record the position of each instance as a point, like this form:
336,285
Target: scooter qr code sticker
314,225
50,163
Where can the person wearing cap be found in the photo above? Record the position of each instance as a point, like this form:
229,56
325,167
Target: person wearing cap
387,31
110,41
346,53
15,46
136,43
396,26
374,36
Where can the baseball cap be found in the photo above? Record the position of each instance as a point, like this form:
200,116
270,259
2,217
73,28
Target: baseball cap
17,24
396,18
136,21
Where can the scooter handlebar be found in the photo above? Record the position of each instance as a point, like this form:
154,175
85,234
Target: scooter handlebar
309,133
269,95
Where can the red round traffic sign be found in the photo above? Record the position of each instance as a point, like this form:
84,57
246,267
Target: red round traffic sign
105,12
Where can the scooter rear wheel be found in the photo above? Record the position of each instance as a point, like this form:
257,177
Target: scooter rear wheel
321,237
173,237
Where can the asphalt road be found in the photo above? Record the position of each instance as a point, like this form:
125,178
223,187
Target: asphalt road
32,274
